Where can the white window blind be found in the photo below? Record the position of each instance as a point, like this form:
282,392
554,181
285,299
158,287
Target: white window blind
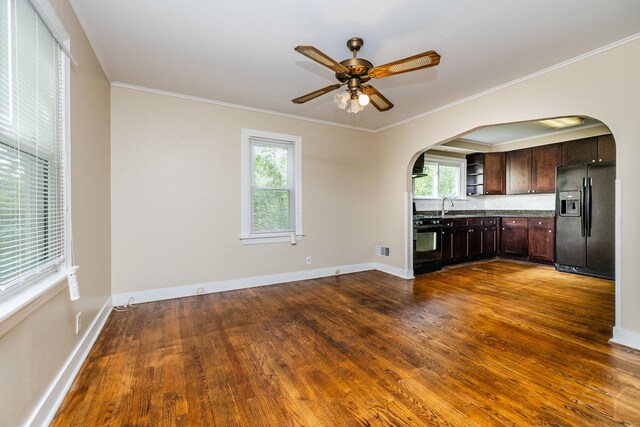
32,211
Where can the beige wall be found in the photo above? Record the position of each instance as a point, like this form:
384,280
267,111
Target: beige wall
34,352
605,86
176,171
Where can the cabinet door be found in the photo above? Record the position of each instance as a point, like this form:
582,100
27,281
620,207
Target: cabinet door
460,240
474,241
447,245
544,160
494,173
518,165
513,241
606,148
541,244
489,241
579,151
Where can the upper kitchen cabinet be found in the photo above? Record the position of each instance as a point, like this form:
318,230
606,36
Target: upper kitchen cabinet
544,161
485,174
518,167
532,170
494,173
589,150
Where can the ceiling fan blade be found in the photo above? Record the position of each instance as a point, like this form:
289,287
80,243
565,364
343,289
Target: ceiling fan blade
322,59
315,94
376,98
412,63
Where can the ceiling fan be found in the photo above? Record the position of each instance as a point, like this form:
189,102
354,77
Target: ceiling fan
354,72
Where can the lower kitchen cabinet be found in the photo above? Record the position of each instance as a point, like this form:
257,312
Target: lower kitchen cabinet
514,238
528,238
468,239
541,239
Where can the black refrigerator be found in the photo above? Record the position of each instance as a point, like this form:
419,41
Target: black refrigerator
585,220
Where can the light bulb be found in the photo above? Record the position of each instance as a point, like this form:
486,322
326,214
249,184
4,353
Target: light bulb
354,106
363,99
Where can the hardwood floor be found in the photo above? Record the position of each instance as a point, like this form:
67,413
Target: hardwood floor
495,343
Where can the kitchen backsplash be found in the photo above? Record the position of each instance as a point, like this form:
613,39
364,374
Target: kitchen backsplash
534,202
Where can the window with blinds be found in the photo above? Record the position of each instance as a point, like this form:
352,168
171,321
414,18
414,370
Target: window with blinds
272,181
32,207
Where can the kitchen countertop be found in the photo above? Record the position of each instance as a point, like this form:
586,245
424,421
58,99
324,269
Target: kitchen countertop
485,213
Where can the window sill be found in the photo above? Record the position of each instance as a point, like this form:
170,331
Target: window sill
274,238
20,303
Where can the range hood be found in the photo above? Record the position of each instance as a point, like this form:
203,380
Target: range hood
418,167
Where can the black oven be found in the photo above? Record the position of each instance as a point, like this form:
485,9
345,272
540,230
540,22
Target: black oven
427,244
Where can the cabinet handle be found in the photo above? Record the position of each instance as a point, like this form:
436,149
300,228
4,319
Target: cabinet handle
533,191
513,222
539,222
549,231
503,228
599,160
528,191
593,161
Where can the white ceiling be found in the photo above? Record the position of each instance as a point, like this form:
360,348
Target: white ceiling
241,52
513,132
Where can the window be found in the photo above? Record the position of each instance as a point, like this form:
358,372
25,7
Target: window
32,141
271,187
444,178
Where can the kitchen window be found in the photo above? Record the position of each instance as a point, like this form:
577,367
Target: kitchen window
32,144
272,202
444,177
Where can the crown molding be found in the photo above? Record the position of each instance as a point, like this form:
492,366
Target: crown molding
237,106
401,122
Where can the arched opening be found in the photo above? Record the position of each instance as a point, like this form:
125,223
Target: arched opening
560,174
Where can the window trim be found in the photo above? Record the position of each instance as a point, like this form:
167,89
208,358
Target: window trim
248,237
446,161
18,302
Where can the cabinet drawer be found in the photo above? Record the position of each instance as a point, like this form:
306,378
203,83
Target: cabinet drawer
447,223
514,222
490,222
474,222
547,223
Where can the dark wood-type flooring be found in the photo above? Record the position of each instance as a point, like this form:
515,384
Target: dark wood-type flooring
494,343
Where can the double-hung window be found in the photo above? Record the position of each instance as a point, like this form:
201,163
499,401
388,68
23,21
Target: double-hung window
32,142
443,177
271,187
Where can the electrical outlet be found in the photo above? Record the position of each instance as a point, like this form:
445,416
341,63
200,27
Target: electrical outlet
199,291
308,260
337,271
78,322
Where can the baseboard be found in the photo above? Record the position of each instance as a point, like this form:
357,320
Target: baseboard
395,271
235,284
626,337
48,406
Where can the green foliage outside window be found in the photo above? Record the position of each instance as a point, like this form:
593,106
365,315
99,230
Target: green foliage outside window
441,180
272,199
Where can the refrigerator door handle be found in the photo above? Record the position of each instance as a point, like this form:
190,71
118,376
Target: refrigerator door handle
589,207
584,211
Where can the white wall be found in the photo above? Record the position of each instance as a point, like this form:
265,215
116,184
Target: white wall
176,168
35,351
604,86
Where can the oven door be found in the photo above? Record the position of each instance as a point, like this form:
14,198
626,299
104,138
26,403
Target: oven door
427,244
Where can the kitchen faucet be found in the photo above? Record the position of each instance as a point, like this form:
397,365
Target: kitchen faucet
443,200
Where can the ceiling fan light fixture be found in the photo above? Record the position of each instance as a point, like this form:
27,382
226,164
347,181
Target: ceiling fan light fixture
354,106
341,99
363,99
561,122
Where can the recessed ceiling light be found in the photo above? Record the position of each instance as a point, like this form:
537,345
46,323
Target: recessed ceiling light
561,122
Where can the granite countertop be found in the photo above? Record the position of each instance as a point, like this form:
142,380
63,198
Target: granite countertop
485,213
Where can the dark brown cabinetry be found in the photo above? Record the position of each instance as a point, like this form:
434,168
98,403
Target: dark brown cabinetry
528,238
485,174
468,239
532,170
514,237
541,238
544,161
589,150
494,173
